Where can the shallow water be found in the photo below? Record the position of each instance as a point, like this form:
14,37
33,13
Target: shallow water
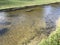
28,26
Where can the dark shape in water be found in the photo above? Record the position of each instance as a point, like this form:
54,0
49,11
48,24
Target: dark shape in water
5,23
3,31
12,15
29,10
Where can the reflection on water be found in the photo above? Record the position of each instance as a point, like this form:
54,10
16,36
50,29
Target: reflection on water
27,27
3,19
48,9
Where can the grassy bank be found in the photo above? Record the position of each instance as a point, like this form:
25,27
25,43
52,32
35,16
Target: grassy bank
53,39
21,3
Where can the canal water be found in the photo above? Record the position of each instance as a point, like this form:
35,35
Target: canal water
28,26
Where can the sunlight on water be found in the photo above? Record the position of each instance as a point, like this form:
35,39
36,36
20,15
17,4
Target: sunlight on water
2,16
28,27
47,10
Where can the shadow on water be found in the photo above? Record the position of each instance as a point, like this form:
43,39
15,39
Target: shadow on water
3,31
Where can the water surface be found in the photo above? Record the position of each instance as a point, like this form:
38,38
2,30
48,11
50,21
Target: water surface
28,26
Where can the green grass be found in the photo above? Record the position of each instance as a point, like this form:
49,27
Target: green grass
53,39
21,3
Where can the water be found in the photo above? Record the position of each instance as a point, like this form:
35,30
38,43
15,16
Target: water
28,26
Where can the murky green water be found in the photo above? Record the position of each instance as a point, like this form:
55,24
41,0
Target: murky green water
28,26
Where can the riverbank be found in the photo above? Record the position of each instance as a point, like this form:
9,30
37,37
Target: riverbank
26,7
20,4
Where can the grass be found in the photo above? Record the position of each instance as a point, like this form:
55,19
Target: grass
21,3
53,39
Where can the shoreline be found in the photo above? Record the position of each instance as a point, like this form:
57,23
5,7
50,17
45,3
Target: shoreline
25,7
